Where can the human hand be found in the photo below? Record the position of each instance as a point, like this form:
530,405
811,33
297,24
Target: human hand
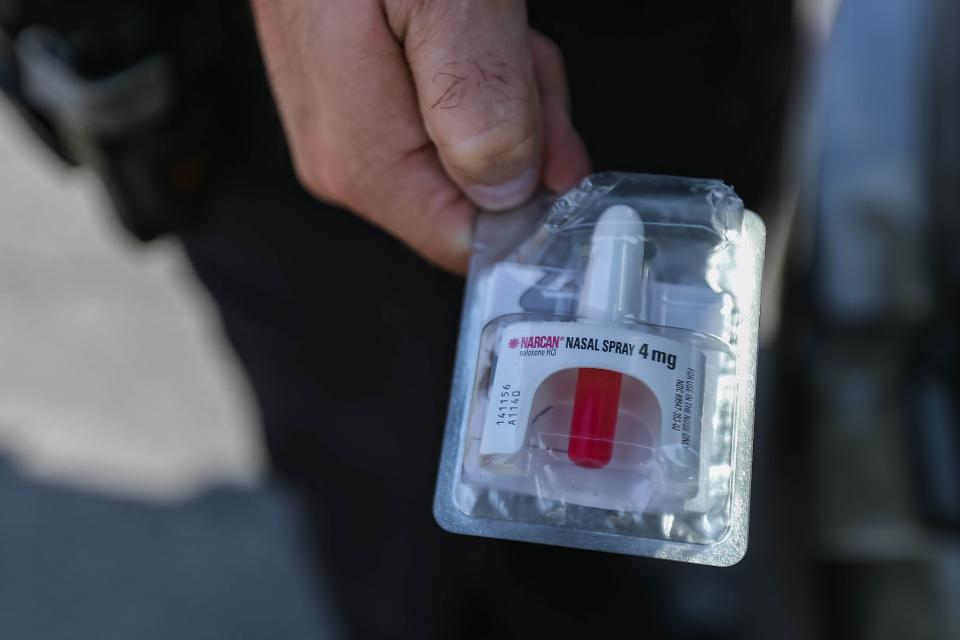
411,112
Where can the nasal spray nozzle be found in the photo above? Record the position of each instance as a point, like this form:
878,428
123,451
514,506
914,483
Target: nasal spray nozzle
610,294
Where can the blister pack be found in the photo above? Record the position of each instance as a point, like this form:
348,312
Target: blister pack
603,395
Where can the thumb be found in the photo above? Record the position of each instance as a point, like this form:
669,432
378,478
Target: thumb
478,97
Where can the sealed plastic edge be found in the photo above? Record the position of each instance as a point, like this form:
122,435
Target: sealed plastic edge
732,548
727,551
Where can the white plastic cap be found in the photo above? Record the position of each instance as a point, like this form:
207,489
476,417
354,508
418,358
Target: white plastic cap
611,287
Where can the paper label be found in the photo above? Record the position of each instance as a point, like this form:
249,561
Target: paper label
529,352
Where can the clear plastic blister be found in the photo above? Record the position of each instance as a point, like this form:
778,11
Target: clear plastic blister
604,387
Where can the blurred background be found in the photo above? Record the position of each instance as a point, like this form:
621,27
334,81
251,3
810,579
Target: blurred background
133,501
136,497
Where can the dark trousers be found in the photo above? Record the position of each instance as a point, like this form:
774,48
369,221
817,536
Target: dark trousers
348,337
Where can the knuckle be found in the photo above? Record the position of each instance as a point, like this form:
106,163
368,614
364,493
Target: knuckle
550,49
321,177
308,173
308,177
337,184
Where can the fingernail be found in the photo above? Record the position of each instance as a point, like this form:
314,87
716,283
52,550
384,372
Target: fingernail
463,240
507,194
464,244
